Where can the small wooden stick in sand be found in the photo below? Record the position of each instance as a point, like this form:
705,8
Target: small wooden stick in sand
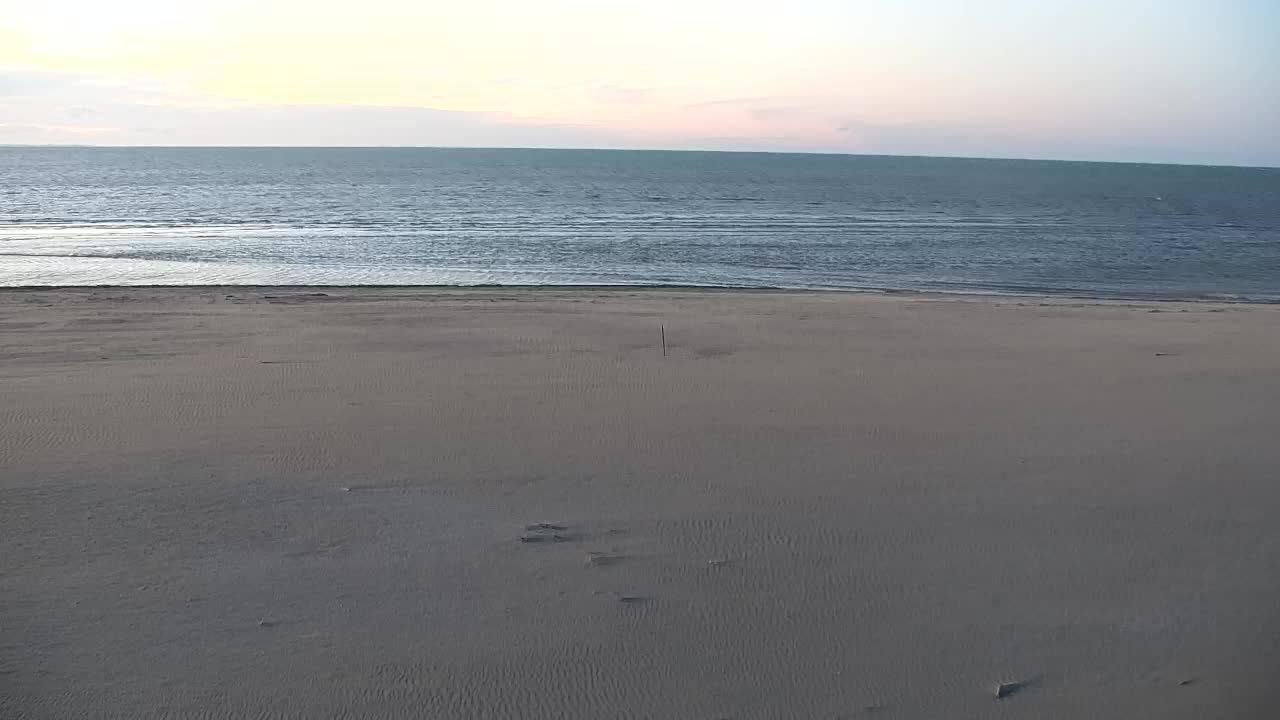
663,328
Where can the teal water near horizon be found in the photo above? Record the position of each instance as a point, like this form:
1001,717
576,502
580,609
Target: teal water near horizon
418,216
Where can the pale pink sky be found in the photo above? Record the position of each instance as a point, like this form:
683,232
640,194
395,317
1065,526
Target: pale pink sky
1180,80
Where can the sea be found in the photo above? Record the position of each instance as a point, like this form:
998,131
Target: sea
435,216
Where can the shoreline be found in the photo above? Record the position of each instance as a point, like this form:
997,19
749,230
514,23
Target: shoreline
875,291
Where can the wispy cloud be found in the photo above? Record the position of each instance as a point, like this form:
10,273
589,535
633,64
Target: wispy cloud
765,108
35,83
773,112
733,102
46,107
30,132
571,85
910,138
20,131
605,92
84,130
619,94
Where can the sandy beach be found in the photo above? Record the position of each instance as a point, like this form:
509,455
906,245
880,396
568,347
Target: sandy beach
512,503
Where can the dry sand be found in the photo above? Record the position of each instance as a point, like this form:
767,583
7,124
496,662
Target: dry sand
266,503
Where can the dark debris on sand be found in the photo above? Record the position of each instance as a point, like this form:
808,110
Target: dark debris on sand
1005,689
545,532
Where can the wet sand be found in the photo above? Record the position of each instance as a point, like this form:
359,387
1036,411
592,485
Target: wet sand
499,503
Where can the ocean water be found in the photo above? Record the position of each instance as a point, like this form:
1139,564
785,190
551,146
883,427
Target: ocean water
100,216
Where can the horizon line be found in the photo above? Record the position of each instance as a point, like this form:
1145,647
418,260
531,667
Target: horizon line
830,153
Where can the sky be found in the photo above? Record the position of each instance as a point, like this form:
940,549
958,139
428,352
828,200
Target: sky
1193,81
